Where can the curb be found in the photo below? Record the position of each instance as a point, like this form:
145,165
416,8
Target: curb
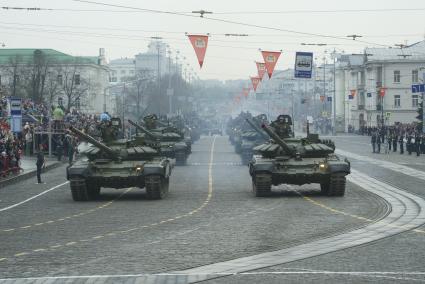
27,175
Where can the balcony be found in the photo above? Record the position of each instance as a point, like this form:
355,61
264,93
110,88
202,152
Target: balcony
361,107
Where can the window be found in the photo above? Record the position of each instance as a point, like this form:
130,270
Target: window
0,80
396,76
415,76
131,71
114,73
60,79
123,71
16,79
114,79
415,101
397,101
77,79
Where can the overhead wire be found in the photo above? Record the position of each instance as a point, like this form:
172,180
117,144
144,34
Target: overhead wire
227,21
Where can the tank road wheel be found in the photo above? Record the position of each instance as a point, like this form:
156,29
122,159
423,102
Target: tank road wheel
181,158
79,190
335,186
262,185
155,187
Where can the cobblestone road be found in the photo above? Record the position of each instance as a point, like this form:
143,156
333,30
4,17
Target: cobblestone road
210,217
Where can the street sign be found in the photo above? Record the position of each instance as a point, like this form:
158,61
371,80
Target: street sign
15,106
303,64
418,88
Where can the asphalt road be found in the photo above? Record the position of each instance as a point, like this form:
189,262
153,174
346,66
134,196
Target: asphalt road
211,217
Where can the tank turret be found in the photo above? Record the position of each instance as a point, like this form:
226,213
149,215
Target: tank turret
110,152
144,130
256,128
289,150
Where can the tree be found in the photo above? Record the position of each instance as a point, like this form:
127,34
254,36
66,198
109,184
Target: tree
37,75
73,86
15,72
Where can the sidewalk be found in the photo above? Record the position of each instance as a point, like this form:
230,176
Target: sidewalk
29,170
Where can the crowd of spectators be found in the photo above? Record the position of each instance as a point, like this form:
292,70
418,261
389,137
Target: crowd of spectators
405,137
10,144
39,121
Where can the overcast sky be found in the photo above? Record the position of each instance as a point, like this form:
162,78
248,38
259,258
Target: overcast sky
124,34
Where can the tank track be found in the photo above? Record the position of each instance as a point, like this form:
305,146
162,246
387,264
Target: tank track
79,190
82,191
262,185
246,157
335,186
156,187
181,158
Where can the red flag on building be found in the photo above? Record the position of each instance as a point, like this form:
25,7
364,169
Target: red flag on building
270,60
255,81
353,93
199,43
322,98
382,92
261,69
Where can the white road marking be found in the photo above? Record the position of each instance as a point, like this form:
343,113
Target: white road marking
33,197
385,164
302,272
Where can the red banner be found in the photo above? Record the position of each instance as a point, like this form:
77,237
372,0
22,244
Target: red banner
199,43
353,93
270,60
322,98
382,92
261,69
255,81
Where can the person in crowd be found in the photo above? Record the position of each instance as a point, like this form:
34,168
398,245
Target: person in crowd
402,140
373,142
40,163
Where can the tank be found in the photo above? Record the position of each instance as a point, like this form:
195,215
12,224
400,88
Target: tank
172,144
250,139
117,164
297,161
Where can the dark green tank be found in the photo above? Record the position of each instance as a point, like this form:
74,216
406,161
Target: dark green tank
117,163
297,161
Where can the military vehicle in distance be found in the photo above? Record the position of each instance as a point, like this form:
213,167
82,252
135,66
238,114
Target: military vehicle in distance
297,161
172,144
117,163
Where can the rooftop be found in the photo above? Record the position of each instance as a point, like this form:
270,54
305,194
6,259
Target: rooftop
26,55
412,52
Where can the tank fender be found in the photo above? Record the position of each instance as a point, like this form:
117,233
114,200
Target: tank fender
338,166
155,170
77,171
256,168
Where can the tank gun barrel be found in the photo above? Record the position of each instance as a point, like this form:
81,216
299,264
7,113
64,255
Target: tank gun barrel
256,128
144,130
277,139
96,143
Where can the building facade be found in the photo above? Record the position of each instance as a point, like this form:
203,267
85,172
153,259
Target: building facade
376,86
72,81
